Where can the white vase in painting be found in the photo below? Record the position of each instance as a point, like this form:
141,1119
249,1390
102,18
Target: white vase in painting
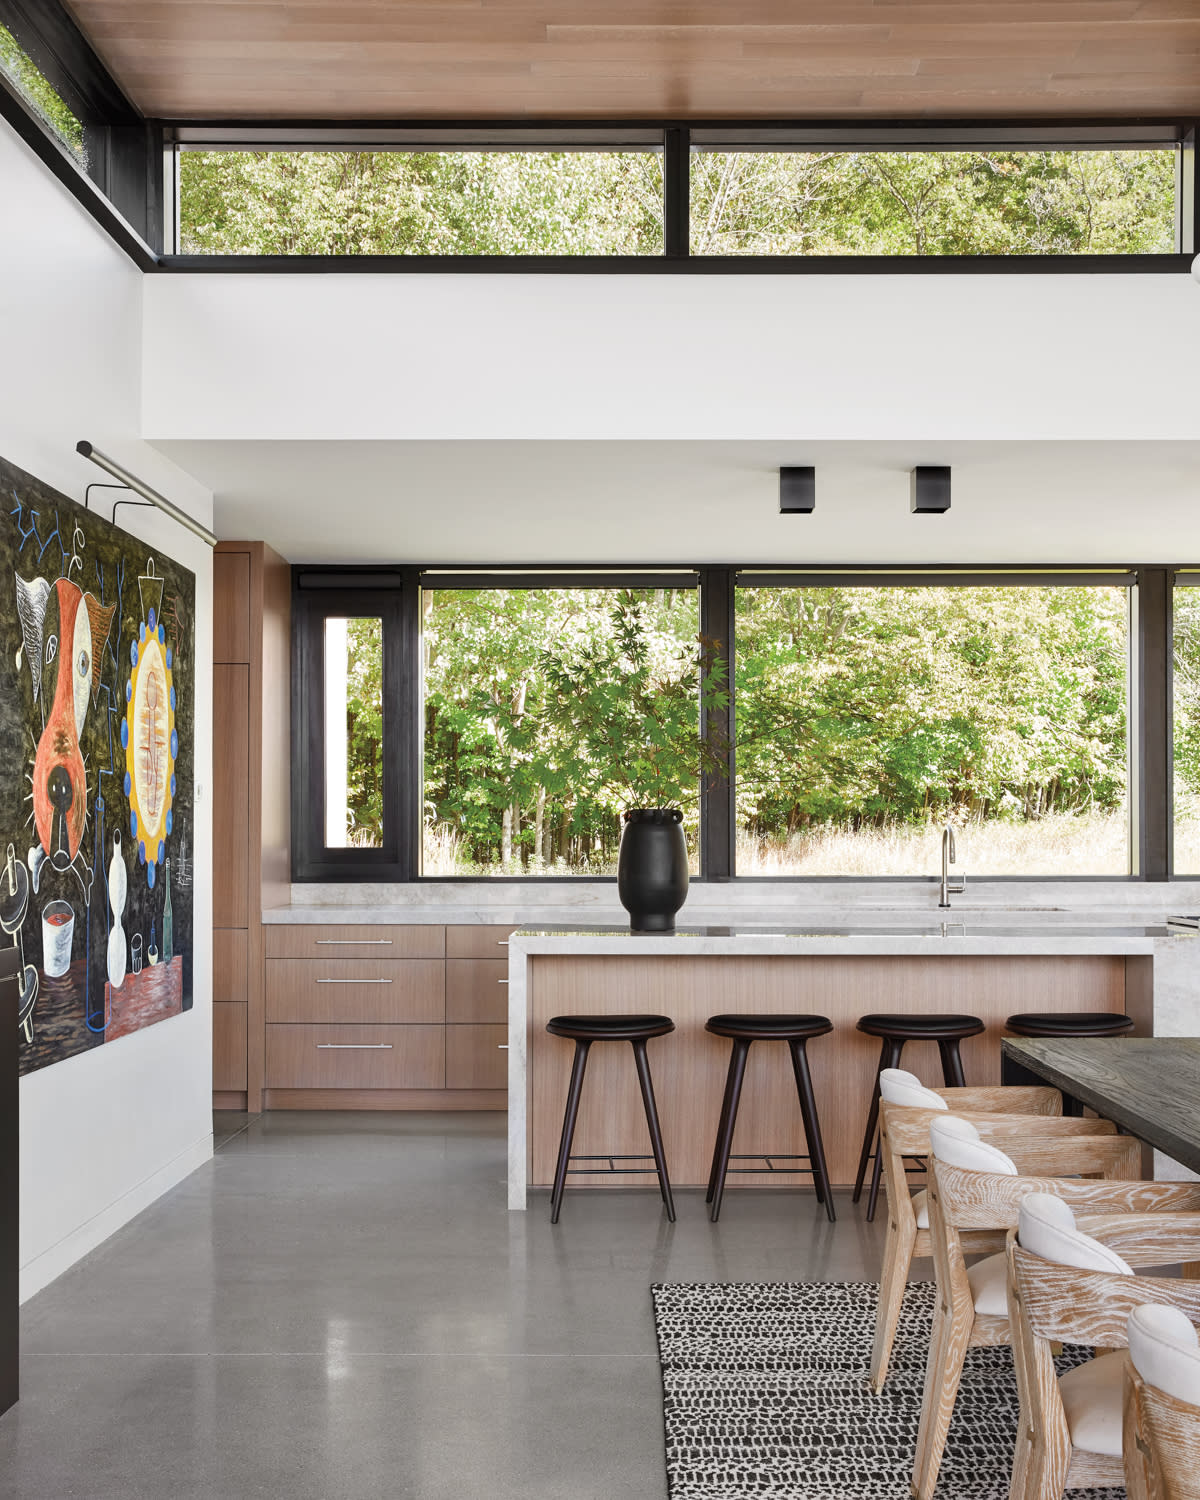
118,889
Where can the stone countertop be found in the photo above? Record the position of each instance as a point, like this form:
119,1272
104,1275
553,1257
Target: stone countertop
994,939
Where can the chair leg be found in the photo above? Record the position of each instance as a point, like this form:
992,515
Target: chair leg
893,1283
889,1057
712,1175
943,1375
578,1068
737,1072
952,1068
656,1145
812,1126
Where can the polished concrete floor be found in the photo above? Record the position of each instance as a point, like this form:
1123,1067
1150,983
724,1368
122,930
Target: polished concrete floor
340,1307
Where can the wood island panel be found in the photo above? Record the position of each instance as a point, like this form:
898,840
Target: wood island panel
689,1065
477,991
356,990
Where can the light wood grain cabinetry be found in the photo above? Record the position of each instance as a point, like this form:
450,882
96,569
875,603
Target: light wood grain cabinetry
251,822
229,1047
476,1057
476,990
356,1057
372,986
230,974
478,942
298,940
404,991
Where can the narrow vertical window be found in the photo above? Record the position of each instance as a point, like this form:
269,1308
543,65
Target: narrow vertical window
354,733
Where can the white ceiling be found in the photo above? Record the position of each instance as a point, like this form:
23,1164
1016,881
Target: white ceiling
687,502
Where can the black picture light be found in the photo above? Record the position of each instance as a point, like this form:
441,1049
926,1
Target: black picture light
797,491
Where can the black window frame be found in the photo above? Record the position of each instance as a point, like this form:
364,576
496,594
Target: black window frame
390,595
1149,697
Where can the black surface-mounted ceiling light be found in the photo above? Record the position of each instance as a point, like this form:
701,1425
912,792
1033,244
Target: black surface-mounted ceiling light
797,491
930,493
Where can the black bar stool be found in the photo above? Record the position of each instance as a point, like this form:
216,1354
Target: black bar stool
947,1032
795,1031
1082,1023
583,1031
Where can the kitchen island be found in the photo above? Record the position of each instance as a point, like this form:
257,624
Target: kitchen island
989,971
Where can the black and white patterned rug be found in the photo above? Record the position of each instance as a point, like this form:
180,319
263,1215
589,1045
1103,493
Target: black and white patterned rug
765,1394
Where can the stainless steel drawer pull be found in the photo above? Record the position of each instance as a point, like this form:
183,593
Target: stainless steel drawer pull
354,981
502,942
354,1046
353,942
501,1046
502,981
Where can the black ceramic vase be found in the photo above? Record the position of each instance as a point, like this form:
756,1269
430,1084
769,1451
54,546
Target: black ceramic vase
652,872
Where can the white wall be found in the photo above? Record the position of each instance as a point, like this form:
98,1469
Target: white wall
104,1133
837,358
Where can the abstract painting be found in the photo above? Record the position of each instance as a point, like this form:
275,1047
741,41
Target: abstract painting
97,728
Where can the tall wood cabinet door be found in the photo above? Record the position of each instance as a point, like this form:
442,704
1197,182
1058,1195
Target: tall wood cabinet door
231,607
229,1047
231,795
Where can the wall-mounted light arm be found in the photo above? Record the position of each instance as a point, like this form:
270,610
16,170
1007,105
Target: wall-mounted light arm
110,466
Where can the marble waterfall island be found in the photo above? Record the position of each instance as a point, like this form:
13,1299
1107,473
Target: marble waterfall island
987,971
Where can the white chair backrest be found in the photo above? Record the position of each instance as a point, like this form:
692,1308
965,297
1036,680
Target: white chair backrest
1164,1351
898,1087
956,1141
1046,1227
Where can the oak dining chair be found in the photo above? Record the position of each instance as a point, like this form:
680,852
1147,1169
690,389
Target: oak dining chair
1073,1281
975,1185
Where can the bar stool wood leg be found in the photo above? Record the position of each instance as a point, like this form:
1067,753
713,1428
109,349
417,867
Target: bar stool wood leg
656,1145
812,1127
889,1057
578,1068
733,1088
952,1068
716,1158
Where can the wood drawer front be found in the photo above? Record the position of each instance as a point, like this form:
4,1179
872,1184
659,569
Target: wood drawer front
229,1047
356,1057
230,965
298,940
478,942
356,990
474,1057
474,992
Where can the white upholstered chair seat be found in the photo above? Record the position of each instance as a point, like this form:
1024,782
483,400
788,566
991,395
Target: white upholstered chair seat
1091,1395
988,1279
920,1205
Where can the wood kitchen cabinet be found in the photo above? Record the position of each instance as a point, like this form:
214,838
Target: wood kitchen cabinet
250,801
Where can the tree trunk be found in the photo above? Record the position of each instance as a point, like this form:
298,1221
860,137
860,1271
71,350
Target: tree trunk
539,822
506,836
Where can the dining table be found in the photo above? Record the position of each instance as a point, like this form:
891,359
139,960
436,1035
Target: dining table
1148,1086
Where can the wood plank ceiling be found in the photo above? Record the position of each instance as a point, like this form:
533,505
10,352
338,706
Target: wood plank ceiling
754,59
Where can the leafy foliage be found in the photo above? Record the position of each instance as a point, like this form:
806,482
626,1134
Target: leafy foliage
19,69
859,710
870,707
547,711
420,203
610,203
933,202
